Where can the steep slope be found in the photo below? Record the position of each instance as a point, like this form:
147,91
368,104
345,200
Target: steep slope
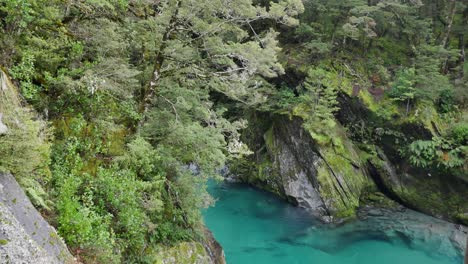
328,180
433,190
25,237
331,180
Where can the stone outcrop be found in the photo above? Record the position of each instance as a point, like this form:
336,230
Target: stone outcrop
325,180
208,252
25,237
329,180
429,190
214,249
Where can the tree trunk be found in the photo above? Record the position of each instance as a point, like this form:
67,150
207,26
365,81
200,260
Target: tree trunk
461,44
448,30
450,18
150,89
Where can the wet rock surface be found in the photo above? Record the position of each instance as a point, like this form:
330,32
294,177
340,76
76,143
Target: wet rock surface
25,237
319,178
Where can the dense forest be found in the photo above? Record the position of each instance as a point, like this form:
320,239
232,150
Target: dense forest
125,108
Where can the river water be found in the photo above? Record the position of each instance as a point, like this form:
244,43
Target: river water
256,227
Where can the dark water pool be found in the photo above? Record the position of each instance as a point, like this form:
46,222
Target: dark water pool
256,227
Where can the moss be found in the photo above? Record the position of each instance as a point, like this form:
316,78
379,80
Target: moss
371,196
269,139
340,177
346,213
183,253
462,218
116,142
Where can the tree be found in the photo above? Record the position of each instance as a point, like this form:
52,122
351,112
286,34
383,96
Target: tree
216,43
319,104
403,88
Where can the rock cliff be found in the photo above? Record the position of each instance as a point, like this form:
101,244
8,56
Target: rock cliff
326,180
207,252
25,237
329,180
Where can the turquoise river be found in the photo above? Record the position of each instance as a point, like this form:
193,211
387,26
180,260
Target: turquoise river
256,227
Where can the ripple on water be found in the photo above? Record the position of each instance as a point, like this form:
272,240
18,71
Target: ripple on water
256,227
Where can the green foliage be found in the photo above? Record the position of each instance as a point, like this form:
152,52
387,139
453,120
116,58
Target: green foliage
459,134
146,99
24,149
403,88
319,103
423,152
447,101
25,71
429,81
79,221
438,152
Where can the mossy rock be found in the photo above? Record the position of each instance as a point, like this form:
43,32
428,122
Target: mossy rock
374,198
462,218
183,253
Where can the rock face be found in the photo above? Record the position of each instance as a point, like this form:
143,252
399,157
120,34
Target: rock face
3,127
432,191
442,196
330,180
25,237
209,252
214,249
322,179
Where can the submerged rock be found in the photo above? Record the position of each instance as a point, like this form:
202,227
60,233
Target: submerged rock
419,230
25,237
434,191
415,230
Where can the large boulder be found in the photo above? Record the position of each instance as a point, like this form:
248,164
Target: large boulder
25,236
207,252
434,191
324,179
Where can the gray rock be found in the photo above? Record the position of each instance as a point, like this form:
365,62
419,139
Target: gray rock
303,173
3,127
25,237
420,229
297,162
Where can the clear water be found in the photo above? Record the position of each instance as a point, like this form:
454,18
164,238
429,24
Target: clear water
256,227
